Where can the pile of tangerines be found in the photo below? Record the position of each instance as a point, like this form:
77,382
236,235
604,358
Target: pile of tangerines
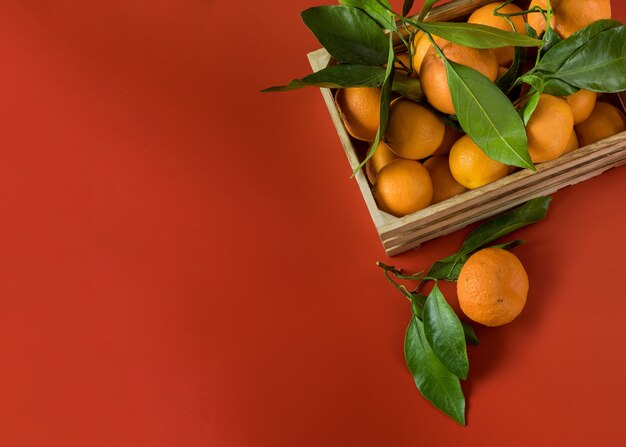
421,160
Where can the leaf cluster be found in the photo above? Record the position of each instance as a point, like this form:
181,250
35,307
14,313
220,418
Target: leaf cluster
591,59
360,37
435,346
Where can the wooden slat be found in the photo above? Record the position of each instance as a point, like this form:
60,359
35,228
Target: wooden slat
464,212
520,179
447,228
413,236
415,242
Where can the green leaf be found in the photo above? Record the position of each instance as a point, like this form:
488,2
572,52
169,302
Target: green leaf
417,307
599,65
428,4
530,31
337,76
532,211
408,87
376,9
385,101
444,333
477,36
536,82
487,116
470,336
348,34
510,245
530,106
447,268
432,378
557,87
556,56
506,81
550,39
406,7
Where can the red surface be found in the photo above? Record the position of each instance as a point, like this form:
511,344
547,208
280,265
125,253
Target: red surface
186,263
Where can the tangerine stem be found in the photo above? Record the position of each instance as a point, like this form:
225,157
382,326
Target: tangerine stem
398,273
425,10
403,65
506,16
403,290
434,44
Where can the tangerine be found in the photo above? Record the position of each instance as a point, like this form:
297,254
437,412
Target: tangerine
444,184
382,156
492,287
582,103
413,131
549,128
572,144
403,187
450,137
605,121
471,167
485,15
569,15
435,79
359,108
421,44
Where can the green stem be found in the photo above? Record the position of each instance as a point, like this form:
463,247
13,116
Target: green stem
425,10
410,46
432,41
528,11
521,101
404,41
421,285
403,65
507,17
403,290
398,273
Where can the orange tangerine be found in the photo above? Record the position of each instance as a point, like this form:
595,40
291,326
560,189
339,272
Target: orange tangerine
444,184
450,137
582,103
403,187
492,287
421,44
549,128
382,156
485,15
413,131
360,111
605,121
569,15
572,144
471,167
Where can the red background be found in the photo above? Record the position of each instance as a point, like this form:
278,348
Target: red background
184,261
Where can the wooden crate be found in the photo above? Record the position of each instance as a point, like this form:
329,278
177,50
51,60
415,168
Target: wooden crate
401,234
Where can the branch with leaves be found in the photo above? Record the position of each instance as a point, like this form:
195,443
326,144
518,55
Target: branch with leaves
435,341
